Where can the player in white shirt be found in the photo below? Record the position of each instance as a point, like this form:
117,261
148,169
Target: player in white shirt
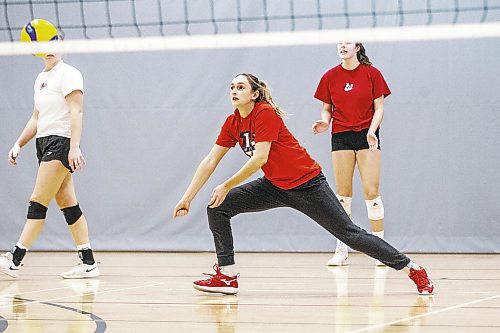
57,124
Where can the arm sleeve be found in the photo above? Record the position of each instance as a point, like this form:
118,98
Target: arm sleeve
267,125
226,138
72,80
323,90
380,87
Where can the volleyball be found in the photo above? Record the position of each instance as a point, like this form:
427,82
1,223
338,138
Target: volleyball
39,31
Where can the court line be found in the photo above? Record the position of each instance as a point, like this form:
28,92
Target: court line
3,324
72,296
100,323
369,328
40,291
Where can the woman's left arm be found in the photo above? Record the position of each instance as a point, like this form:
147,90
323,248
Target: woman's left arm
258,159
376,121
75,106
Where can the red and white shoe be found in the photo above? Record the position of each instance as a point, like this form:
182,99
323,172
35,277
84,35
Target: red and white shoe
422,280
218,283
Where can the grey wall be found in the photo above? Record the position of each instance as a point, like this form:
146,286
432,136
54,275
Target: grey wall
151,117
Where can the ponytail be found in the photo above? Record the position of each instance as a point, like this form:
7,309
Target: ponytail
362,57
264,93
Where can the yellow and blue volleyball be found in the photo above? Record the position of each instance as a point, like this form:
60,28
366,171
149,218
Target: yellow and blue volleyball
39,31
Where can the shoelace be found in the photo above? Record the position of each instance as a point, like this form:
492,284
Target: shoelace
217,274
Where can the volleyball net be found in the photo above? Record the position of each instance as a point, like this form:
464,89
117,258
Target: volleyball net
92,26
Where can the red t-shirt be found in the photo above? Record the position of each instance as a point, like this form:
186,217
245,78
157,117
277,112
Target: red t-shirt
288,165
352,92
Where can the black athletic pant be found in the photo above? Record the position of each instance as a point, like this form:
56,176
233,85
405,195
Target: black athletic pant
314,198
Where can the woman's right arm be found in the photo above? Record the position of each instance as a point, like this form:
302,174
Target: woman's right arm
203,172
27,134
324,123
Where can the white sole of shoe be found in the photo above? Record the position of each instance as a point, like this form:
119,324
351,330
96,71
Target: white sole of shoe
424,293
331,262
217,290
10,273
345,263
88,276
78,277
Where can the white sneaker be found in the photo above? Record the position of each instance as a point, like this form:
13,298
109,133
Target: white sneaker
82,271
7,266
340,256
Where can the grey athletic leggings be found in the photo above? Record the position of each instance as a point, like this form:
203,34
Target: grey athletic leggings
315,199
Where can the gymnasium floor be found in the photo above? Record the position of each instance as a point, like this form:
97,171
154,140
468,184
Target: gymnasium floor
279,292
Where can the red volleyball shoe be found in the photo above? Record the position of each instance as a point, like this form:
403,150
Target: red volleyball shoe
218,283
422,280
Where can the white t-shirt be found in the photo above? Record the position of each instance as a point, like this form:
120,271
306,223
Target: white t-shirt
51,88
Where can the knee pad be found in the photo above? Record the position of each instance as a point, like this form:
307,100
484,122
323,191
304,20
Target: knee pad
72,214
375,209
346,203
36,211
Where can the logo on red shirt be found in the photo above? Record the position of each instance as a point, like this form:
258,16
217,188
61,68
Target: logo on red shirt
248,142
348,86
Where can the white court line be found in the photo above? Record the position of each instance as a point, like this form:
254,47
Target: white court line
72,296
369,328
38,291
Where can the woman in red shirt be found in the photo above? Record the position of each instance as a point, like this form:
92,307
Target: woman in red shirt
291,179
353,101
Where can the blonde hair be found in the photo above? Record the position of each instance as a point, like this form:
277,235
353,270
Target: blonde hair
264,92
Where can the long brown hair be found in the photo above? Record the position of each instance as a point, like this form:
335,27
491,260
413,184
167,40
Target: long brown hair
264,92
362,57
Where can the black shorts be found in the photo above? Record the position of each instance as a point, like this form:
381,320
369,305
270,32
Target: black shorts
352,140
53,147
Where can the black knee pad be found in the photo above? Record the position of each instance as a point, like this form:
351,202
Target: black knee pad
72,214
36,211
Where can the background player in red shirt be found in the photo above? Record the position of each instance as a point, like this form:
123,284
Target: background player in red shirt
291,179
353,100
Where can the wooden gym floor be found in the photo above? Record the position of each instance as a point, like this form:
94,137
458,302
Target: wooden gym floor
279,292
